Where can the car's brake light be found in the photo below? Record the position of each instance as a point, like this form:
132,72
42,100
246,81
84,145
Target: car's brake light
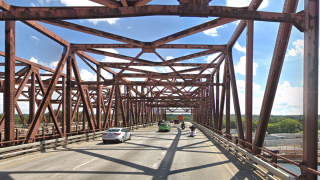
116,133
105,133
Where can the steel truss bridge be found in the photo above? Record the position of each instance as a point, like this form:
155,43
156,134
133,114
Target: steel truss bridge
141,102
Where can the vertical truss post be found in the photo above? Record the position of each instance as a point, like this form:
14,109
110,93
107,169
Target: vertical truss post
283,36
227,85
249,80
142,107
84,115
69,99
32,95
9,92
217,97
128,106
310,88
211,105
235,97
207,105
213,102
117,104
98,100
223,93
64,108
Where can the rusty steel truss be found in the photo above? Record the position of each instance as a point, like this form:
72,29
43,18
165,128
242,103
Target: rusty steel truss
142,102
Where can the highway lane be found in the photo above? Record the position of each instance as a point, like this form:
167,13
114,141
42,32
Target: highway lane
148,155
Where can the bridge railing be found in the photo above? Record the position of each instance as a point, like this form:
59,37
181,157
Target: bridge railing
238,147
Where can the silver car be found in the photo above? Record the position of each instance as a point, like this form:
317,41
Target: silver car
116,134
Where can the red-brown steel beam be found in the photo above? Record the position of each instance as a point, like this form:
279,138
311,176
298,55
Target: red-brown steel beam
118,56
310,88
108,3
32,101
216,122
89,58
227,96
249,81
86,108
117,65
164,76
190,56
9,91
164,46
51,111
48,94
98,100
124,3
88,30
274,75
162,83
64,108
105,123
235,97
68,92
254,5
222,99
7,7
141,2
117,106
45,13
196,29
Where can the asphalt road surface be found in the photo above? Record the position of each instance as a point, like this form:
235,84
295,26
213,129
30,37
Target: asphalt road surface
148,155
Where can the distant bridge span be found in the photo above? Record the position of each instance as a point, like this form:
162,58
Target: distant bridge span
92,106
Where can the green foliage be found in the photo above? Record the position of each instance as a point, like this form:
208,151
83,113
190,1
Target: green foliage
277,124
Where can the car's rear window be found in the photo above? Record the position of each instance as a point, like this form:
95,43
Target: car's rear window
113,130
123,130
163,124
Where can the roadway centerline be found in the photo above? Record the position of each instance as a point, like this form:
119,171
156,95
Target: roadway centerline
85,163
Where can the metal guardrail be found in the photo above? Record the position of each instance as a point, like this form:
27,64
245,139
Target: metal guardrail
249,158
45,144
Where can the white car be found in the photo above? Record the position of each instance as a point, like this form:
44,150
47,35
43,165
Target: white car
116,134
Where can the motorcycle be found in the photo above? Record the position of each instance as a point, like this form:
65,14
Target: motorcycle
182,127
192,132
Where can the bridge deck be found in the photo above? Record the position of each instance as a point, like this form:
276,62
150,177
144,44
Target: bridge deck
149,155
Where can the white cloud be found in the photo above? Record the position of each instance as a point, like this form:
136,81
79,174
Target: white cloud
79,3
240,48
236,22
298,48
169,57
288,100
89,3
33,5
35,38
34,60
211,57
44,1
109,20
212,32
244,3
241,66
108,50
87,76
241,84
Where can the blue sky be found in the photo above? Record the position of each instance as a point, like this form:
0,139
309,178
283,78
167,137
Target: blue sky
33,46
